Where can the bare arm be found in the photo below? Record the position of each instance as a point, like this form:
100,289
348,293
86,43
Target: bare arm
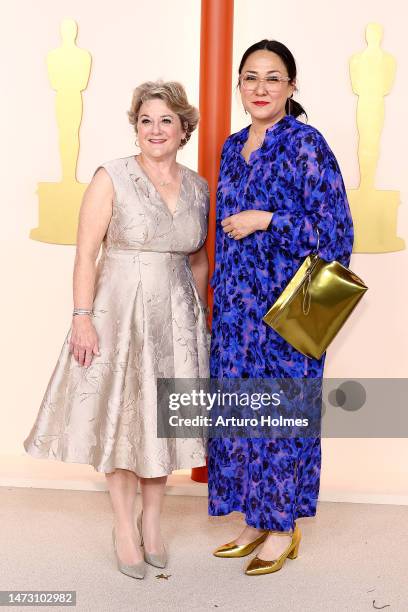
199,268
94,217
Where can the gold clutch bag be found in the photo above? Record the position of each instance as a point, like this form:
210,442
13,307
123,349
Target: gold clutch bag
315,304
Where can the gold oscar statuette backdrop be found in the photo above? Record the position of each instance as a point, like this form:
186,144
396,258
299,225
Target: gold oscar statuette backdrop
375,212
59,203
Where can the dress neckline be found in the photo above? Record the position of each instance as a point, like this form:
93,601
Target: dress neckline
148,180
270,134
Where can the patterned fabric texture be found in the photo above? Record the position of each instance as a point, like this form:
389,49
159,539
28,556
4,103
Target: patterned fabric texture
295,175
150,323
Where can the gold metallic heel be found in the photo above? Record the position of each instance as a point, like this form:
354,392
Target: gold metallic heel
294,553
156,559
137,570
259,566
232,550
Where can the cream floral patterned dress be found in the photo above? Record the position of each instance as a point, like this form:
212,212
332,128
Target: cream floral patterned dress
150,323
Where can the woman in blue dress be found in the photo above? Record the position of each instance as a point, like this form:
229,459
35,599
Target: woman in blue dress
279,181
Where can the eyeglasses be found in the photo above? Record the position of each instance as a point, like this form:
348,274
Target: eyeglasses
250,82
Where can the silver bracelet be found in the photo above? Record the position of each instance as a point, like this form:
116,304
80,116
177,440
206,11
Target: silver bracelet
81,311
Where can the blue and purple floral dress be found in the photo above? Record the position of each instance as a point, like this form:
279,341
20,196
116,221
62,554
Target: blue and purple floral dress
296,175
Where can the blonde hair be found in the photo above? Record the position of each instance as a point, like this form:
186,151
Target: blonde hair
174,95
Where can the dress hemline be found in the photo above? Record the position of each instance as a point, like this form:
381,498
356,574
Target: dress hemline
297,515
45,457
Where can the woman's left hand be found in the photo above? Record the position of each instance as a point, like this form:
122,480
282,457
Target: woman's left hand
246,222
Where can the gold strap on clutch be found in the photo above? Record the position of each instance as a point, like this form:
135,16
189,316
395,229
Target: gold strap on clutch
306,285
315,304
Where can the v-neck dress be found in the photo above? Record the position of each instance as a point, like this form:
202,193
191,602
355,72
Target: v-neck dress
295,175
151,323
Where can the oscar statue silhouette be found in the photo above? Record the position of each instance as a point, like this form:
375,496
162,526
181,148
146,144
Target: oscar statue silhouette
374,212
68,69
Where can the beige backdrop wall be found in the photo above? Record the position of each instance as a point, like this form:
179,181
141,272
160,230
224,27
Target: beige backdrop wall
131,41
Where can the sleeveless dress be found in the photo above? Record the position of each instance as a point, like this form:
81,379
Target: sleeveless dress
151,323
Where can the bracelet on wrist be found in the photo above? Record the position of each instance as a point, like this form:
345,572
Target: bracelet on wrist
82,311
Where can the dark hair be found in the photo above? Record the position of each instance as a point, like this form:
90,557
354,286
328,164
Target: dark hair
292,107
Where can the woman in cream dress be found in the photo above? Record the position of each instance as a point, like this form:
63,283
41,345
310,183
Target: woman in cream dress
139,315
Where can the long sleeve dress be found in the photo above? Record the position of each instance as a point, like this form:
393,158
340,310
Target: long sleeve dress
295,175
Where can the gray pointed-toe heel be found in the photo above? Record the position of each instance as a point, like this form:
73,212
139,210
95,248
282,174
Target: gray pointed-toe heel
137,570
156,559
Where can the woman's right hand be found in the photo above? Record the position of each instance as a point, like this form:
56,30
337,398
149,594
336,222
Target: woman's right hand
84,342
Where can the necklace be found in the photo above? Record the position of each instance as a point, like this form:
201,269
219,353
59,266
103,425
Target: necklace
164,183
161,182
258,139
